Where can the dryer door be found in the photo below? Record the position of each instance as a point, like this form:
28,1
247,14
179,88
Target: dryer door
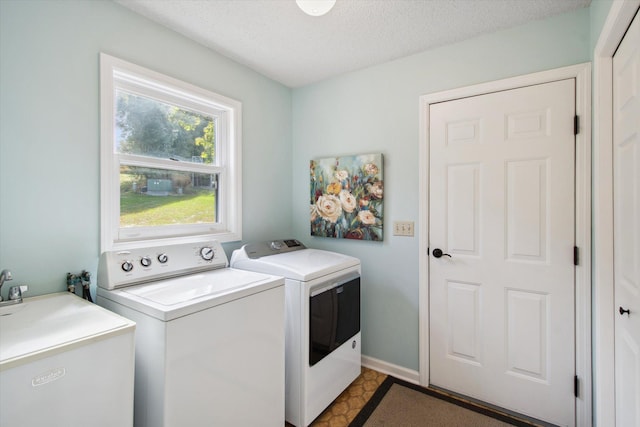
334,317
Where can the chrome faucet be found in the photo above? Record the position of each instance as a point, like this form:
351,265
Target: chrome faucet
15,292
4,275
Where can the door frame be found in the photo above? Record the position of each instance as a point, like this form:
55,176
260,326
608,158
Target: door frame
618,20
582,74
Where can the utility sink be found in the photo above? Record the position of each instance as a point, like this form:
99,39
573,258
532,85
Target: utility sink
44,323
57,346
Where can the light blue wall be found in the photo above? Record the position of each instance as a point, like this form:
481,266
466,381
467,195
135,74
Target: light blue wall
599,10
49,130
376,110
49,138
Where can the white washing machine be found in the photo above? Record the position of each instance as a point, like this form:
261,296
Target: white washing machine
322,320
65,362
209,341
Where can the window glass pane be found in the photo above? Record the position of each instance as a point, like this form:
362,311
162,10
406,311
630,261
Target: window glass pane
147,127
152,197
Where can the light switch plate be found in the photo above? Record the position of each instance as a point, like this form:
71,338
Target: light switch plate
403,228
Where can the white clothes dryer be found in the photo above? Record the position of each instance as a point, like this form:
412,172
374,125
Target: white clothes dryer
322,297
209,339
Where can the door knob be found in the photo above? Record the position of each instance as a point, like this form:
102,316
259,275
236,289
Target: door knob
623,311
438,253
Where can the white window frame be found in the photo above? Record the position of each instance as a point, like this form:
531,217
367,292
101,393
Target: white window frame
118,74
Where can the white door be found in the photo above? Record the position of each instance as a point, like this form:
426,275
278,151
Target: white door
626,207
501,197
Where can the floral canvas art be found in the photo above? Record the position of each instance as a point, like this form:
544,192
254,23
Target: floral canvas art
347,197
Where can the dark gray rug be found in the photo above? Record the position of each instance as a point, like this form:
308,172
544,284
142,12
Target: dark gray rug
399,403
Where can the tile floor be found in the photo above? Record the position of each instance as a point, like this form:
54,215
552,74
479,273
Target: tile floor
346,406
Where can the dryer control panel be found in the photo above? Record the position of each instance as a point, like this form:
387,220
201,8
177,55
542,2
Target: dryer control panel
133,266
260,249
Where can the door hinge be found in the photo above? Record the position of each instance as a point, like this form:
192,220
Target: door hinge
576,125
576,386
576,256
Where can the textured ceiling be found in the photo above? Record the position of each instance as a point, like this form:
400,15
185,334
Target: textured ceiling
275,38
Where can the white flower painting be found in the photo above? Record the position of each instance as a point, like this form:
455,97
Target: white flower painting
347,197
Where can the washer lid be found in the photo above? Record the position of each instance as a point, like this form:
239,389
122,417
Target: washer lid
49,324
179,290
169,299
303,265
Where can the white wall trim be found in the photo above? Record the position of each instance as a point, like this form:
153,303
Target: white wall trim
620,16
402,373
582,74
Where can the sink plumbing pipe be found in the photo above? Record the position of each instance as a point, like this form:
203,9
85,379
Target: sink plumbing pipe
72,279
83,279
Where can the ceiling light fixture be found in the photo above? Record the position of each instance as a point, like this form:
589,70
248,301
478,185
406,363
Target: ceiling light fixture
315,7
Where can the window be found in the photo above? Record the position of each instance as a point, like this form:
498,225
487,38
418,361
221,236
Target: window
170,159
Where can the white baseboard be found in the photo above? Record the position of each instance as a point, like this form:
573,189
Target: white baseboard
399,372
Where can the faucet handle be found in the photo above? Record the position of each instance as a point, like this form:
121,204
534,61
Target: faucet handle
15,292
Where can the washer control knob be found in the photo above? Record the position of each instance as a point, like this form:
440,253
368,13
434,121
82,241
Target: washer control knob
145,261
207,253
127,266
276,246
163,258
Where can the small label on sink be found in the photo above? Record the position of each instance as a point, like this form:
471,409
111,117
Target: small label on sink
47,377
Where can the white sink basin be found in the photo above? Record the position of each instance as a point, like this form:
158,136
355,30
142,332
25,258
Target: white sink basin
58,347
47,322
10,309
